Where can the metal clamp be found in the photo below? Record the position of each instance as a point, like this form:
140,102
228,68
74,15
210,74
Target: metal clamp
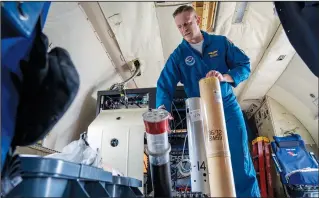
159,154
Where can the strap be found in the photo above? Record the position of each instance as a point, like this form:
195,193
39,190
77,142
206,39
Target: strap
288,144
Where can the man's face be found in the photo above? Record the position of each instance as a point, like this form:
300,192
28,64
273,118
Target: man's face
188,25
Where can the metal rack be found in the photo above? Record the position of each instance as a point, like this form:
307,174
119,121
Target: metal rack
33,176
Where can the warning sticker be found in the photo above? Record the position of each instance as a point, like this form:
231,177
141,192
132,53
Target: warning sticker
195,115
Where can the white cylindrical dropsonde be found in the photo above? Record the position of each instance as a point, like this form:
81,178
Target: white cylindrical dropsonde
157,127
196,146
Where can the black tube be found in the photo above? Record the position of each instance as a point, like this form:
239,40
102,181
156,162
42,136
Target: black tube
161,179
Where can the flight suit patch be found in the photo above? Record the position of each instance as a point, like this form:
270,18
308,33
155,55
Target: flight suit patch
190,61
213,53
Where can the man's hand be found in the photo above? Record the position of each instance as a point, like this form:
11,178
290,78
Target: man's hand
221,77
216,74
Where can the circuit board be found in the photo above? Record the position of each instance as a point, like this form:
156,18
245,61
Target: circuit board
122,101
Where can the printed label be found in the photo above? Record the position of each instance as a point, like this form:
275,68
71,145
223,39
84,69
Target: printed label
215,135
218,96
195,115
201,165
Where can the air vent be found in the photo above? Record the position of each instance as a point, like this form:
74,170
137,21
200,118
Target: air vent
281,57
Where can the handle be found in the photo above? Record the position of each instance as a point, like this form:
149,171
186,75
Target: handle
314,157
274,157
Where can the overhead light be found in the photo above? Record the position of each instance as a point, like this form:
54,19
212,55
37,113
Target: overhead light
281,57
239,12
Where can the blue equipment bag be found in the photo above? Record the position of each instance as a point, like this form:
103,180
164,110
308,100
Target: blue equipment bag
297,167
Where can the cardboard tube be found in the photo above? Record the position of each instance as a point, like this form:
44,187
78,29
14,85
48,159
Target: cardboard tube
220,172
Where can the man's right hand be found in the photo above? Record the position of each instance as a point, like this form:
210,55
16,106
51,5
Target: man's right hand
170,117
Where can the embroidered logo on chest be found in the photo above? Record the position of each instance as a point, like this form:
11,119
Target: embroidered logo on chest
189,60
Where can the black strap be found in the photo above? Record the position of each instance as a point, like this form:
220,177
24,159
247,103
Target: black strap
288,144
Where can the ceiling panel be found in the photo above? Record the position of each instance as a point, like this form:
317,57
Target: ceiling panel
270,68
108,40
253,35
170,35
137,31
67,26
297,91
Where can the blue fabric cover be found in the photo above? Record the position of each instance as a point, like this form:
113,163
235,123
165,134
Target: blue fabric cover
292,158
13,50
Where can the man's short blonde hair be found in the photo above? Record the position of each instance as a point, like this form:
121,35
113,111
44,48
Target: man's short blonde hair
183,8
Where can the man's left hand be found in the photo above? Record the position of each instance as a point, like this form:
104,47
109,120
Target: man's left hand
221,77
216,74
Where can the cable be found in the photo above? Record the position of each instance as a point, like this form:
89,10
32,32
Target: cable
136,103
173,121
180,122
181,168
122,84
180,118
186,187
111,100
174,125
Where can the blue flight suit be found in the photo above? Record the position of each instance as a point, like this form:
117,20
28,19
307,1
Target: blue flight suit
188,66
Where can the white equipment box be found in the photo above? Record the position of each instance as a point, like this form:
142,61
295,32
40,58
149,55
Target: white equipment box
119,134
272,119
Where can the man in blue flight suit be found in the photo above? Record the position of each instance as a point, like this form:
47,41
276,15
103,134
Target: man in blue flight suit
203,55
